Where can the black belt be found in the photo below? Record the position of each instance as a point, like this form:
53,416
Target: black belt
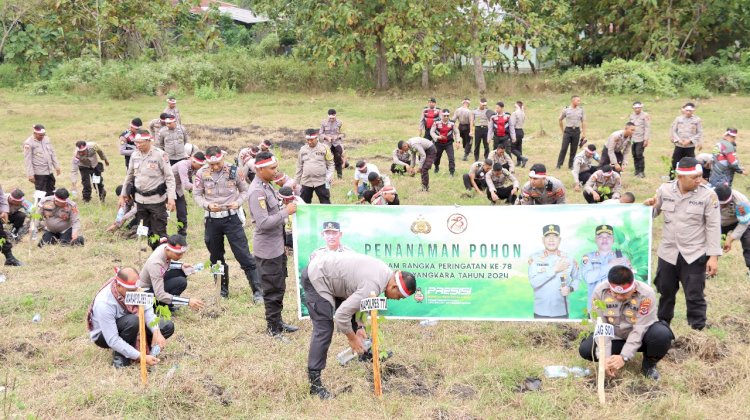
573,128
160,190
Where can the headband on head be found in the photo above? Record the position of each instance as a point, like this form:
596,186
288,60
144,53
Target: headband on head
13,199
637,105
142,137
267,162
84,147
692,170
689,108
537,175
279,177
61,200
311,136
720,201
172,101
127,284
215,158
177,249
402,284
607,173
731,133
286,197
39,131
621,289
170,120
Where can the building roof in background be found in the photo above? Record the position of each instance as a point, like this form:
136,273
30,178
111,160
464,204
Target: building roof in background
238,14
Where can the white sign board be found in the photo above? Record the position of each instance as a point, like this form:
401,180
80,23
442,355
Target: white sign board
142,231
217,269
38,195
604,330
139,298
96,179
375,303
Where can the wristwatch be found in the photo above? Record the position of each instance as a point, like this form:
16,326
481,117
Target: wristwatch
626,359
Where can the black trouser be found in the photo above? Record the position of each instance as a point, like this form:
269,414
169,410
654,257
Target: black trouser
323,193
606,161
516,149
464,130
428,132
182,214
127,163
679,153
175,282
693,279
503,193
744,240
638,161
480,138
86,174
173,161
498,140
45,183
321,314
427,164
399,169
481,183
155,217
273,282
448,148
584,176
571,137
127,329
231,227
655,343
338,159
64,238
590,197
17,218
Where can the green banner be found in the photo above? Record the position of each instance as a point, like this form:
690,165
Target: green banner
482,262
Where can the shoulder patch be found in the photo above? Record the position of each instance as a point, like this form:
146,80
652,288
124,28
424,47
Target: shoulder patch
262,201
645,307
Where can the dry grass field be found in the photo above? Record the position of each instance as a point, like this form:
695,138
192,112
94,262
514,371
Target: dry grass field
220,364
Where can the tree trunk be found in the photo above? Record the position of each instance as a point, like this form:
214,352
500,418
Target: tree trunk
479,74
426,77
381,66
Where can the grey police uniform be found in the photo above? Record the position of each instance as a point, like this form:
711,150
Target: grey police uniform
572,120
548,299
595,268
59,222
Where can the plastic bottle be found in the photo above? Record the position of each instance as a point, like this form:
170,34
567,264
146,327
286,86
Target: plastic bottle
120,215
428,322
564,371
2,278
155,350
198,267
345,356
37,318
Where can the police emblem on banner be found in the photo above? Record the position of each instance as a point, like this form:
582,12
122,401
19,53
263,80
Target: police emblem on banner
421,226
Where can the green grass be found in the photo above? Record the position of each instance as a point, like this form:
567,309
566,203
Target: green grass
227,367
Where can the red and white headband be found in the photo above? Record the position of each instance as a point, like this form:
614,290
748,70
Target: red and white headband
172,101
731,133
143,137
402,285
621,289
311,136
267,162
607,173
286,197
61,200
127,284
197,160
692,170
215,158
280,177
177,249
720,201
83,147
537,175
170,120
39,131
689,108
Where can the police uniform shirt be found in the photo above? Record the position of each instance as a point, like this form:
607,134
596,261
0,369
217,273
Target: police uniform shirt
154,127
152,274
598,181
59,219
263,202
174,112
684,128
39,156
419,147
725,162
86,160
12,208
4,207
631,318
149,171
220,188
555,195
181,172
581,163
480,117
505,159
517,119
330,129
173,142
573,117
324,249
127,146
462,115
617,142
729,214
400,158
314,165
477,168
692,223
642,123
595,267
548,300
498,181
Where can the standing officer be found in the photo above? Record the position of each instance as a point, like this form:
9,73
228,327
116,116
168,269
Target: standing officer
172,140
517,120
596,264
725,162
691,241
615,152
630,308
641,136
553,275
686,134
85,160
573,127
503,158
314,169
474,181
443,134
127,140
423,154
334,285
7,246
602,185
40,160
480,120
172,110
496,188
430,114
220,190
268,241
152,176
541,188
734,203
156,124
18,208
502,131
582,167
60,218
183,172
331,135
462,115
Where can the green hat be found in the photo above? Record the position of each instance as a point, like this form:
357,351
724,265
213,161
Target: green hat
551,229
604,229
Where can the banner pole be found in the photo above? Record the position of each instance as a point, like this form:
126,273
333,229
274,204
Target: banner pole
142,335
601,344
375,352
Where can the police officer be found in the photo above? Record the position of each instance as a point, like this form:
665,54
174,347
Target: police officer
283,180
127,140
602,185
401,162
220,190
517,120
18,208
502,131
462,116
246,162
430,114
725,162
314,169
172,110
596,264
85,160
573,127
155,125
615,152
553,276
503,158
496,181
443,133
582,167
474,181
423,154
691,241
686,134
387,196
7,245
541,188
631,309
641,136
331,235
734,219
61,220
330,134
377,182
361,176
172,140
154,182
268,241
40,160
480,121
183,172
334,285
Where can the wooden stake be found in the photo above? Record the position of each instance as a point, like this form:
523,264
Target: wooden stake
375,352
142,335
602,347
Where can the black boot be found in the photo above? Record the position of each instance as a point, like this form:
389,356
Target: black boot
253,278
119,361
11,260
275,330
225,282
288,328
316,386
648,368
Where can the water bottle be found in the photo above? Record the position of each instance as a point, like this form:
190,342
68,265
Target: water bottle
345,356
120,215
564,372
26,204
328,185
37,318
155,350
428,322
198,267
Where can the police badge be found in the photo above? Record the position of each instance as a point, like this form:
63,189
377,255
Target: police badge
421,226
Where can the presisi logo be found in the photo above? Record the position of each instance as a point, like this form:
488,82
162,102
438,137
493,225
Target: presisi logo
449,291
